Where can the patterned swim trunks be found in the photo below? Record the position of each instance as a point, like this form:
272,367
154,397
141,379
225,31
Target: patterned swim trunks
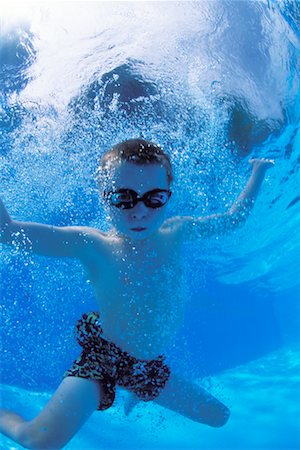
105,361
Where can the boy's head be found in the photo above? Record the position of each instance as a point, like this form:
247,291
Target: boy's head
135,176
137,151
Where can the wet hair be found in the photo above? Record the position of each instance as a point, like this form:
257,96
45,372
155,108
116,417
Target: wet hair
137,151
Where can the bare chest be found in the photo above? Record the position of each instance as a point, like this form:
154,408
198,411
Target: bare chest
139,296
140,279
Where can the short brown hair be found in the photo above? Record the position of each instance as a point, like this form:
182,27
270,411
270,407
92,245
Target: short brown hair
138,151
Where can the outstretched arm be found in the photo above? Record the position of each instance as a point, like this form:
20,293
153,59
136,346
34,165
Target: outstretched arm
245,202
190,227
44,239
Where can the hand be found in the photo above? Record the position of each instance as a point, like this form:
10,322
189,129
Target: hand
261,164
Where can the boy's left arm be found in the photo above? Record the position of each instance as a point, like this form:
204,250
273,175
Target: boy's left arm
203,227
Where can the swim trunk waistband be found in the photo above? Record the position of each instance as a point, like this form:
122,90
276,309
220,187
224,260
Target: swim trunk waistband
107,363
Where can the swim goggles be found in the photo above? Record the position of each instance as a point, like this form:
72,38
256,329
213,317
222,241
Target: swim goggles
127,198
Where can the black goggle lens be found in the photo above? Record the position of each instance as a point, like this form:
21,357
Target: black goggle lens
127,198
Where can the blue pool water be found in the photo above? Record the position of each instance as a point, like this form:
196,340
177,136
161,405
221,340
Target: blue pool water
214,83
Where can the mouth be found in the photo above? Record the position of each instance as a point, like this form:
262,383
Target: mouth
138,229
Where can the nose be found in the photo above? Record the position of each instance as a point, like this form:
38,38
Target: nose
139,211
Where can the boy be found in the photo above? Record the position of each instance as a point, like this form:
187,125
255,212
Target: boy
135,270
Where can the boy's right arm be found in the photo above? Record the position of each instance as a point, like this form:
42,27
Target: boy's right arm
44,239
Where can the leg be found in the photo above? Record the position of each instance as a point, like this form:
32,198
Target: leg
64,414
192,401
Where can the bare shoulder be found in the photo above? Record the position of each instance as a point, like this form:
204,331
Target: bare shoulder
188,228
91,233
86,235
98,240
94,252
172,223
173,227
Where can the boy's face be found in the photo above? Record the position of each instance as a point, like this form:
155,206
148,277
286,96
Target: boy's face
141,179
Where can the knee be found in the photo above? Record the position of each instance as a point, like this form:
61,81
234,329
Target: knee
38,443
35,439
22,434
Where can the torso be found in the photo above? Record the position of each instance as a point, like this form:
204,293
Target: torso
138,292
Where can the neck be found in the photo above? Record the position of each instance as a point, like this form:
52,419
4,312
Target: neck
135,244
